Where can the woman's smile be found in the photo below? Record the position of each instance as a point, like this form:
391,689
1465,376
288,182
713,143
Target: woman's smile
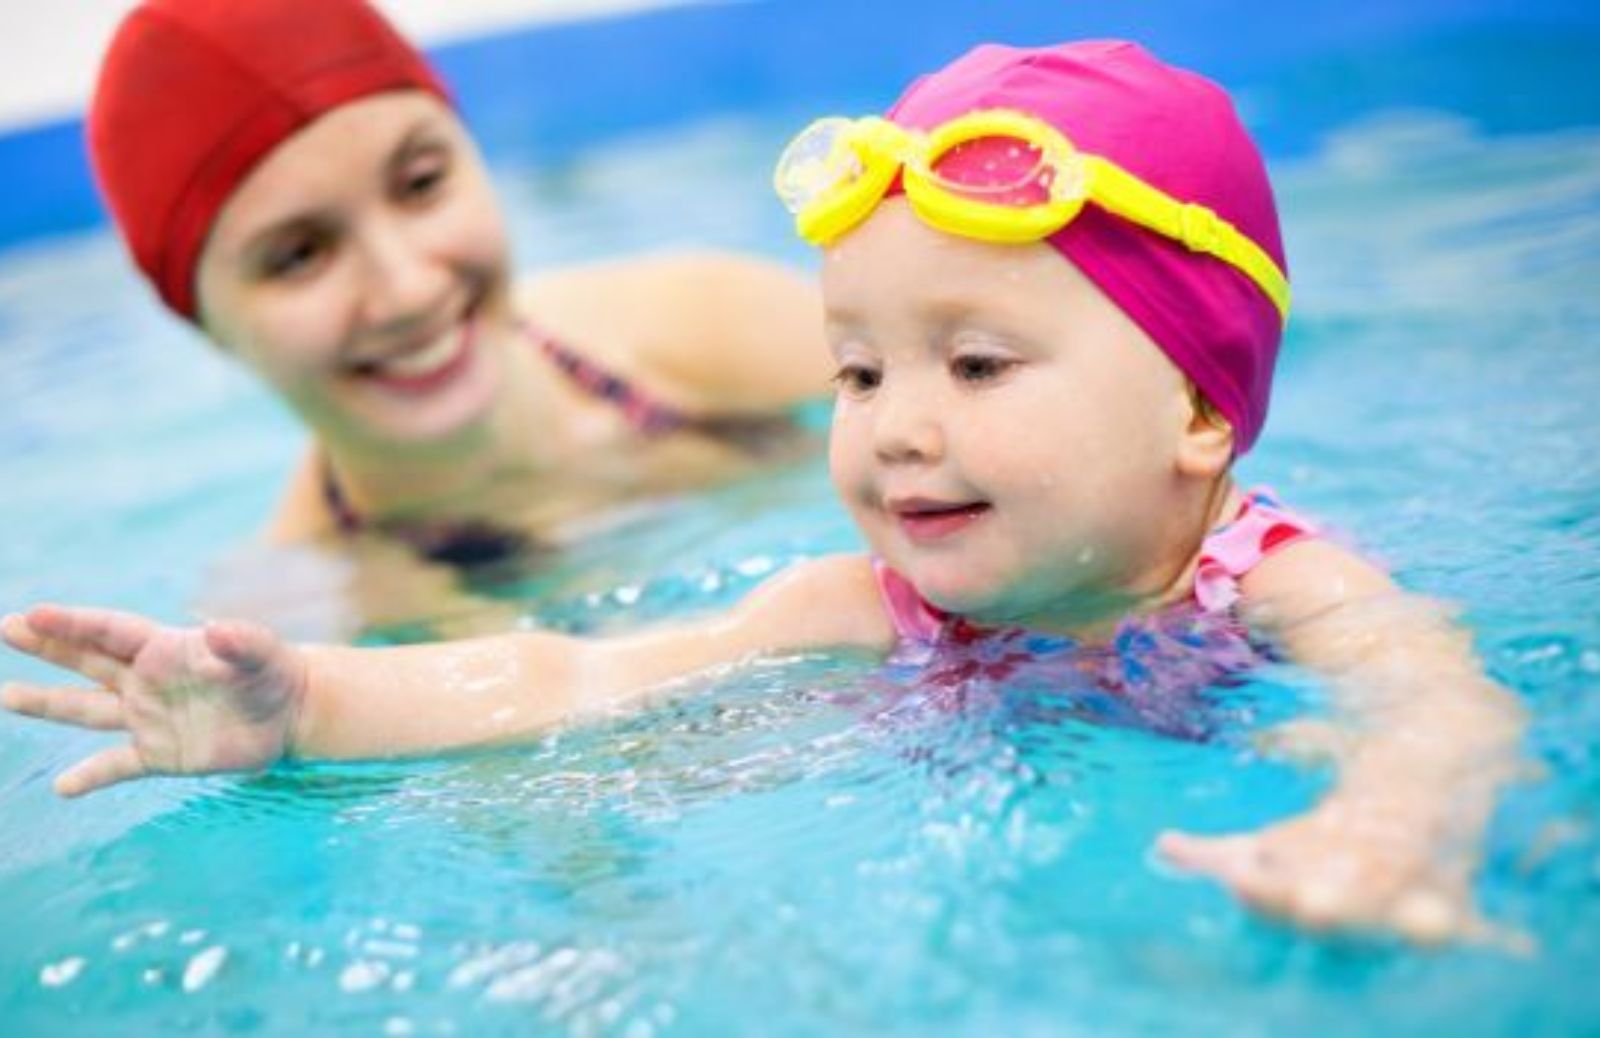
426,368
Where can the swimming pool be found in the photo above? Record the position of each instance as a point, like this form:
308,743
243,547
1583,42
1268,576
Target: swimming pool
760,857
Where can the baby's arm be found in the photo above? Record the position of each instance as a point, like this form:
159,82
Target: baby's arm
1422,743
231,696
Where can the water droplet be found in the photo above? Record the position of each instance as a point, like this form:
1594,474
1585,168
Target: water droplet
390,949
754,567
61,973
363,976
198,973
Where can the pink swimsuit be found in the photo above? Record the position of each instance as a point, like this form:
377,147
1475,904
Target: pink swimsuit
1149,674
1228,552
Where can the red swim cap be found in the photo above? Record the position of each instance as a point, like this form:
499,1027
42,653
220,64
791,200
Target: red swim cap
194,93
1178,131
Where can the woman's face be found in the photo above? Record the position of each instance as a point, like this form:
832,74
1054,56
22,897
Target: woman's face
362,271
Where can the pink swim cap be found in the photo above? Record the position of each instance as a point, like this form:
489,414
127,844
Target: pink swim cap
1178,131
193,94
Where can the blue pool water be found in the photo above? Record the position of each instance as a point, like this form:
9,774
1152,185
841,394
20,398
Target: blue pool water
792,849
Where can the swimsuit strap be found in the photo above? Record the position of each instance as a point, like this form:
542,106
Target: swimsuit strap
457,542
1261,527
914,618
758,433
649,417
333,496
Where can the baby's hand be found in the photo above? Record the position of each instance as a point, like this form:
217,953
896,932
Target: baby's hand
1346,866
223,697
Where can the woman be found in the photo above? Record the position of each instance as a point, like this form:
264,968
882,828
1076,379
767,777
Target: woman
291,177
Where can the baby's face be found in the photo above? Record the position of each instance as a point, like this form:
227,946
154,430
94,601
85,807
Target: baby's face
361,270
1003,434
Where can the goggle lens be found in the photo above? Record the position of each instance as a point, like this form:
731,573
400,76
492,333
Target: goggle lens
821,159
1005,171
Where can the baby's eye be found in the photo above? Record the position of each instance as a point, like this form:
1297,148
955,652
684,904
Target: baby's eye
857,379
979,367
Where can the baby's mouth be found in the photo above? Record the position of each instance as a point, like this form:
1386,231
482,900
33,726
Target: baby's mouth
929,521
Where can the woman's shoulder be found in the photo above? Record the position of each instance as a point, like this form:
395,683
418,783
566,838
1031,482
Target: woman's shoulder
705,331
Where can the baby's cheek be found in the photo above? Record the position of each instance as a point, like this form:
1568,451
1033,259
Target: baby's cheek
849,443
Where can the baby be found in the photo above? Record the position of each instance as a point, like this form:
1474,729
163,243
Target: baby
1054,289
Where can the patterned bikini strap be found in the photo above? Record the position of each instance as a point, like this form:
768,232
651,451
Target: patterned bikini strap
649,417
333,496
759,433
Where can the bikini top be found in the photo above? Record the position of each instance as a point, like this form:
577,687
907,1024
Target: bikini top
1261,527
475,542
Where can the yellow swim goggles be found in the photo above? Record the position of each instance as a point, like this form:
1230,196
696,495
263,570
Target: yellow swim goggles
837,170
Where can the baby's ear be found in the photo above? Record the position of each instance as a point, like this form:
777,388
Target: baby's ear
1205,449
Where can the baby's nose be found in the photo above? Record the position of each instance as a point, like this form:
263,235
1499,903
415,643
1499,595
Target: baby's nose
908,426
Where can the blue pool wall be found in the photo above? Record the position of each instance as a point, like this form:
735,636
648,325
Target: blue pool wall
543,92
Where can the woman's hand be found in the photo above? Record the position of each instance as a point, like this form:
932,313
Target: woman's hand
223,697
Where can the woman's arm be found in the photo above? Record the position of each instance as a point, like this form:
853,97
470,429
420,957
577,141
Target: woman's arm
1422,742
232,696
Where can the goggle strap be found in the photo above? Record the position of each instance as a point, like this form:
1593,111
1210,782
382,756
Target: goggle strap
1196,226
